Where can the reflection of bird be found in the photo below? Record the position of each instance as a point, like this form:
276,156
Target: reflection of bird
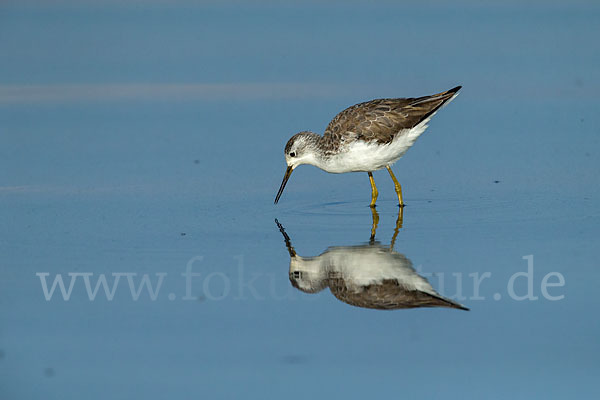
368,276
365,137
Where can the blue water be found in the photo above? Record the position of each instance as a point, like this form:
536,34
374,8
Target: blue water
144,138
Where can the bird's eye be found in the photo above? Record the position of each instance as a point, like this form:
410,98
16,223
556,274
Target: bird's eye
292,154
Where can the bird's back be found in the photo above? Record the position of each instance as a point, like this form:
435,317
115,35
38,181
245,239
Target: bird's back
382,119
388,294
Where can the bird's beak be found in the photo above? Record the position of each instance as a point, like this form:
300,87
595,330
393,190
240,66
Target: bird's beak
288,172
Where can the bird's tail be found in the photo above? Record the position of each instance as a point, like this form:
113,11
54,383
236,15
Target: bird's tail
429,105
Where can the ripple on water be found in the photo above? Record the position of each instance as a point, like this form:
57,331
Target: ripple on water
448,212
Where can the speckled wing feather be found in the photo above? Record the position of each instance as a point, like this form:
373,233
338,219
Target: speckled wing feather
387,295
381,120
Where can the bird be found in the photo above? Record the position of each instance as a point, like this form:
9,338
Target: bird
368,276
365,137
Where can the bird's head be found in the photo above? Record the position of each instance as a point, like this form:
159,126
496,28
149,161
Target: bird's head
300,149
307,274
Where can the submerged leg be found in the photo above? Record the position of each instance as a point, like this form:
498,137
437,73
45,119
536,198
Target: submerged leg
374,225
398,226
374,192
397,186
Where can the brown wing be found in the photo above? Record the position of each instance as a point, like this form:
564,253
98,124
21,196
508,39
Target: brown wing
387,295
383,119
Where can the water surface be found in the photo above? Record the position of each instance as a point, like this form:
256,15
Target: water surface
149,140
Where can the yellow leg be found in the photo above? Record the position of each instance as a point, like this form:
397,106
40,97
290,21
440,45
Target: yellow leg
398,226
374,225
397,186
374,192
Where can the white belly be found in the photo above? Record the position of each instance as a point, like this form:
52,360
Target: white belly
361,156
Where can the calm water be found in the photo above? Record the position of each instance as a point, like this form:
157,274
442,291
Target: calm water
148,141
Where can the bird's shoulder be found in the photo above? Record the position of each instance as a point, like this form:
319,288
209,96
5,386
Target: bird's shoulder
382,119
378,120
388,294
